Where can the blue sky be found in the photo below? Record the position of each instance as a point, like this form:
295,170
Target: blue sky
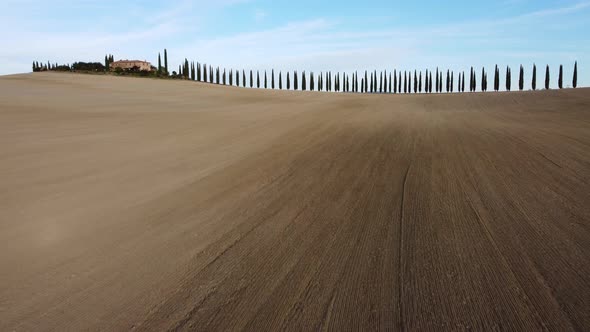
301,35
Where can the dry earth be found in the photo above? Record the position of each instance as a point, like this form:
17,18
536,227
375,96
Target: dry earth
162,205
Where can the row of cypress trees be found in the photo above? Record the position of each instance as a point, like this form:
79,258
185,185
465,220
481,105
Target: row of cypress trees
38,66
373,82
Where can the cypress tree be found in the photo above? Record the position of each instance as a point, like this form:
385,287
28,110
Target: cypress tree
430,83
463,83
303,81
272,80
508,79
390,83
166,61
436,88
474,81
347,83
420,83
363,85
415,82
334,87
205,73
251,79
381,83
211,77
238,78
288,82
395,81
243,78
409,81
575,79
231,77
483,79
452,79
224,81
265,81
295,81
547,78
448,81
471,80
280,80
560,78
159,64
217,75
496,79
405,82
521,78
258,79
311,82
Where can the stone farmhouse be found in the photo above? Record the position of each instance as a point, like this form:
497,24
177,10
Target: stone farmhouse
130,64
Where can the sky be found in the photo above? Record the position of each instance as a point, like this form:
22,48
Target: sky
317,35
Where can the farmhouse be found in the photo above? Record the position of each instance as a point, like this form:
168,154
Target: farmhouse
131,64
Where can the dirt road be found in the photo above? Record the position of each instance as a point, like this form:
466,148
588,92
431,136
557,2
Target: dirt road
160,205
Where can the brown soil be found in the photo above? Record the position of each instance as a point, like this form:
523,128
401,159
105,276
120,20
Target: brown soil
164,205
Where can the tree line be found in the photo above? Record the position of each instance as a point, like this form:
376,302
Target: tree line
368,82
385,81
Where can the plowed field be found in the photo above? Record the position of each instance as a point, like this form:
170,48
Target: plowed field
165,205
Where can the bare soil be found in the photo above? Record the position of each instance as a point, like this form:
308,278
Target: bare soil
145,204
